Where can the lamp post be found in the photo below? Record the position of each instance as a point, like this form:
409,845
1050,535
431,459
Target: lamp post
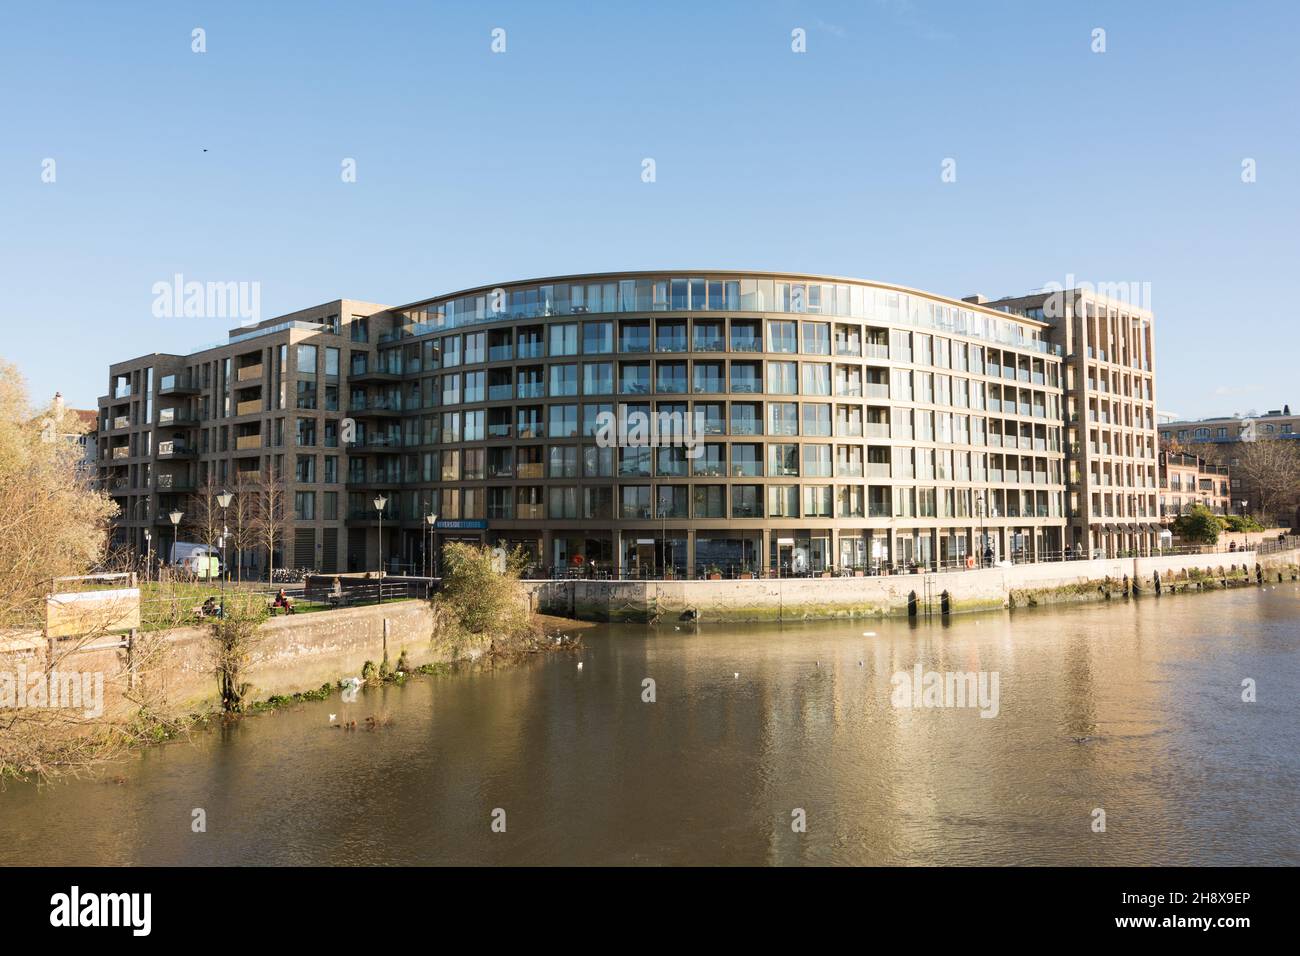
175,518
663,541
1245,534
380,502
223,500
432,561
148,554
979,510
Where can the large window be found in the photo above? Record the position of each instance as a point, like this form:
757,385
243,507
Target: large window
709,501
563,339
747,501
781,378
782,336
597,338
598,378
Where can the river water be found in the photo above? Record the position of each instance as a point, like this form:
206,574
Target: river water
1132,708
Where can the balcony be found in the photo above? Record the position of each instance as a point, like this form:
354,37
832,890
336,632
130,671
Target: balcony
176,417
177,385
251,407
251,373
529,470
121,452
376,374
379,443
171,450
384,406
122,421
173,483
248,442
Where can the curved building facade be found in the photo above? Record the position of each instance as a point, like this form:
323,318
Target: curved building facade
702,422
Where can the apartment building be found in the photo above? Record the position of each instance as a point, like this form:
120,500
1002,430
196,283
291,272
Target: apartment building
1222,440
829,424
270,400
1111,446
1189,480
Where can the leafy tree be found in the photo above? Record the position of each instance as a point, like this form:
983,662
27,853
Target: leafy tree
479,598
1237,523
1198,526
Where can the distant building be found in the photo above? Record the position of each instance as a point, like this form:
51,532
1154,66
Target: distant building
1222,438
1188,480
1278,423
78,426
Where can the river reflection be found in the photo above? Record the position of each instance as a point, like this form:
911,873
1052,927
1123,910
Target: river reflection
1133,708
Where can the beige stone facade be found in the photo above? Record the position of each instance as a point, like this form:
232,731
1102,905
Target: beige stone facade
831,426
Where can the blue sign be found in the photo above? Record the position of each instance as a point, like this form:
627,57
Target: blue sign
460,525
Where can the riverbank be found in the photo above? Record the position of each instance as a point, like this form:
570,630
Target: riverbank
950,592
1131,704
291,659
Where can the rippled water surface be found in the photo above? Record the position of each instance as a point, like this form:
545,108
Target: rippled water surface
1134,708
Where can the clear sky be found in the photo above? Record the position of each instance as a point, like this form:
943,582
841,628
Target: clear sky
478,167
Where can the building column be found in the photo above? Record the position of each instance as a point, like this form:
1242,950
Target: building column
616,545
548,540
690,552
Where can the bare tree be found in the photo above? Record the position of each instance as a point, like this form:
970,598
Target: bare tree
53,526
271,516
243,521
203,515
1269,470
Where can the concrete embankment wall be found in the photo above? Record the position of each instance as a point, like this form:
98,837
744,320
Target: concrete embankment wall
291,655
808,598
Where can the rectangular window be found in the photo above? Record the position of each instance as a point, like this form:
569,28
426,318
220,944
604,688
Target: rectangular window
563,338
564,421
709,501
597,338
782,378
782,336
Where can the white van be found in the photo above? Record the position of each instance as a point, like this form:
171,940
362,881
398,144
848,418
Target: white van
197,559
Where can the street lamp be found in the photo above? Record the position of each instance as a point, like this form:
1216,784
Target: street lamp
148,554
380,502
979,510
1245,534
175,518
431,519
223,500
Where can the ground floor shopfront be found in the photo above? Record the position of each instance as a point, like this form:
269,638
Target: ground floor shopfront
654,551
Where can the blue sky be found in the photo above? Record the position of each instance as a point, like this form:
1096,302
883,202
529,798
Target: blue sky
476,167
